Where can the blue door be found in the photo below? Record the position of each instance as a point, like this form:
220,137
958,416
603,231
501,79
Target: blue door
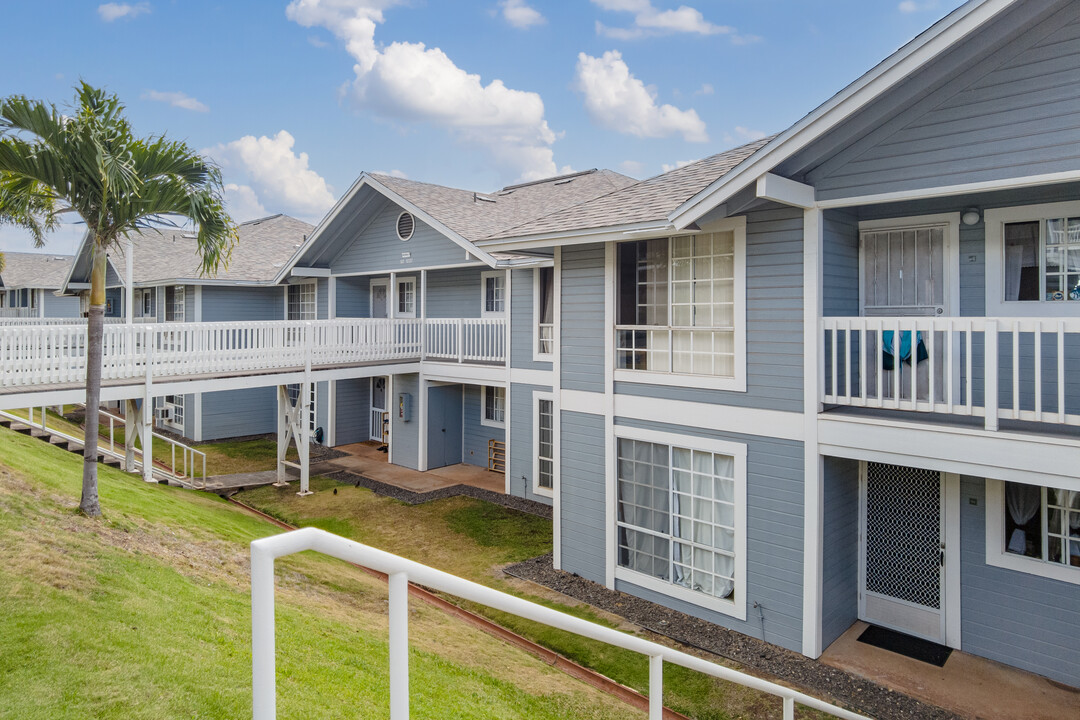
444,426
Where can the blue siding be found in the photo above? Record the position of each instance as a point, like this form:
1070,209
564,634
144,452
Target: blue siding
452,293
379,248
774,536
60,307
521,451
228,304
840,287
322,409
405,436
353,409
1016,117
840,587
322,299
353,297
115,297
582,331
475,436
189,304
582,483
1018,619
233,413
522,322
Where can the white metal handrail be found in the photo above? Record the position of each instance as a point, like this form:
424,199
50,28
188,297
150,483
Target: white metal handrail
50,354
401,571
994,368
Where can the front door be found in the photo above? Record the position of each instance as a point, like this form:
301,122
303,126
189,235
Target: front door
444,425
902,549
379,298
378,409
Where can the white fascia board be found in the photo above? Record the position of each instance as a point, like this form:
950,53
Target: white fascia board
784,191
886,74
310,272
579,237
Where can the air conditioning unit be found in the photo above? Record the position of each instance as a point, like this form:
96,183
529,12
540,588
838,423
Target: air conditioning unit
164,413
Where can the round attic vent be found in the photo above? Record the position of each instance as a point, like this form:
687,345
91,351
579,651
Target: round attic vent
405,226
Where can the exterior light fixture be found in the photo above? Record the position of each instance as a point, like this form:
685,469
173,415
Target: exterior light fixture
971,216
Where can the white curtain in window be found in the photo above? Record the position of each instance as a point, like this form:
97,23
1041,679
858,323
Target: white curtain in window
1023,501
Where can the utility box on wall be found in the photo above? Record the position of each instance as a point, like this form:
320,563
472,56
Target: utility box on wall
404,407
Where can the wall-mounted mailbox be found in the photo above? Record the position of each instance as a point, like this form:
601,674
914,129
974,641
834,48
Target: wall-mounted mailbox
404,407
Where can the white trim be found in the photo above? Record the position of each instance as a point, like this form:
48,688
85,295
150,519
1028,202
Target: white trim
484,421
951,254
994,220
995,542
952,560
897,68
412,268
813,462
735,608
496,274
526,376
733,419
784,191
556,377
607,403
331,413
536,354
465,373
197,419
422,423
537,396
577,237
397,226
399,281
331,298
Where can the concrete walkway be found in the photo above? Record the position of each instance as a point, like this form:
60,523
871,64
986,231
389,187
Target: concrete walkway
967,685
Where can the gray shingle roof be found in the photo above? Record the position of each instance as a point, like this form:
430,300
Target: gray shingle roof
264,247
35,270
476,216
649,200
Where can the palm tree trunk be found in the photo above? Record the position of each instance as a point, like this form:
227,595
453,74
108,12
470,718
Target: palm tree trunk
95,328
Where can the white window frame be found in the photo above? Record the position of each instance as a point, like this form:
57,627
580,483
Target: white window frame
410,283
537,354
178,302
499,275
484,389
173,406
736,383
994,221
538,489
997,556
734,608
303,288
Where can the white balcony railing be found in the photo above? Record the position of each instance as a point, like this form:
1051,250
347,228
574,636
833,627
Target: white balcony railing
13,313
401,572
995,368
51,354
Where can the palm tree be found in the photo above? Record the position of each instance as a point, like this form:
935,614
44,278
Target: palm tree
89,162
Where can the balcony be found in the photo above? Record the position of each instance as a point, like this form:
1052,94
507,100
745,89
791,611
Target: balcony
997,369
42,355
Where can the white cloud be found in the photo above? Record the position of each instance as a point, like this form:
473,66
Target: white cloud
176,99
520,15
243,204
648,21
115,11
619,101
317,41
911,6
410,82
705,89
276,176
632,167
392,173
668,167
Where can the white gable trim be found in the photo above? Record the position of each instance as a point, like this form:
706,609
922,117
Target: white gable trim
887,74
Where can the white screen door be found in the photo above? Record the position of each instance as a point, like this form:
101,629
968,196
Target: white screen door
378,407
379,292
901,550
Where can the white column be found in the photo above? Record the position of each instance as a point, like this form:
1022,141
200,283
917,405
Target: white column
813,463
399,645
147,437
129,290
282,433
131,432
391,297
423,315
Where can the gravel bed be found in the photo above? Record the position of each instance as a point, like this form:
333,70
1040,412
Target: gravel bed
414,498
815,678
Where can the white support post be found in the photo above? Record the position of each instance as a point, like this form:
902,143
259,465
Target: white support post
990,372
423,314
656,687
509,300
283,412
131,432
263,668
789,708
399,646
422,422
460,340
303,443
813,463
391,297
147,433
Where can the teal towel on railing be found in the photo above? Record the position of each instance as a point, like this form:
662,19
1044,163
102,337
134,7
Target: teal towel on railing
888,361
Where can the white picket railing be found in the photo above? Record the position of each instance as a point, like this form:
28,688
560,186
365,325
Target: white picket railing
28,321
995,368
54,354
401,572
18,313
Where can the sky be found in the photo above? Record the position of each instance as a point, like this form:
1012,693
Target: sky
294,99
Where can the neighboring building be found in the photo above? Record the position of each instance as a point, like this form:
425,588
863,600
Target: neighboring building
785,387
28,285
168,287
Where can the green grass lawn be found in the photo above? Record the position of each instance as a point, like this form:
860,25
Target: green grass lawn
145,613
471,538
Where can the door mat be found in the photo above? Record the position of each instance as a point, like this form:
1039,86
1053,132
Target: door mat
912,647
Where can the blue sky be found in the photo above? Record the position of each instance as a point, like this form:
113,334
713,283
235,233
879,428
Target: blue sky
295,99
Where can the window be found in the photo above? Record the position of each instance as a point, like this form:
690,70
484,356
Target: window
144,303
544,444
1033,529
494,406
172,407
680,527
174,303
301,301
406,298
679,307
493,285
544,309
1033,256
